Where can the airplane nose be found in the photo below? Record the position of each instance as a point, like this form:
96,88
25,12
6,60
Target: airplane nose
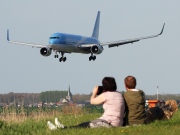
51,42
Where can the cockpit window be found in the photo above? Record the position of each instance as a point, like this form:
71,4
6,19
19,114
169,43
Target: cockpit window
54,38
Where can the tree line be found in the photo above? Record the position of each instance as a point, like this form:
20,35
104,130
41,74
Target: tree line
15,98
58,95
53,96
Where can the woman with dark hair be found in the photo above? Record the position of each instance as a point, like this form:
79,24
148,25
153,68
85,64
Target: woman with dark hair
113,102
113,105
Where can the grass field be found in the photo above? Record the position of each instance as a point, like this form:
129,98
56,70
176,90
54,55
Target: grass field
37,125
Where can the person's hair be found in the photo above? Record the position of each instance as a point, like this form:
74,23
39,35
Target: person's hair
130,82
109,84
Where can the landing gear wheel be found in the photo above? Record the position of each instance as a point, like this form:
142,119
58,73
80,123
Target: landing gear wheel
55,56
64,59
94,58
90,58
60,59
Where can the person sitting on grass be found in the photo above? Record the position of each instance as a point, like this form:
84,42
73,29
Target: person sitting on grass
113,105
134,103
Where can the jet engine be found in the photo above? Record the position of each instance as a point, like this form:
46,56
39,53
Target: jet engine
45,51
96,49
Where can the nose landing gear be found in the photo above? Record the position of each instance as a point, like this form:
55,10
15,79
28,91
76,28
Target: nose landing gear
56,56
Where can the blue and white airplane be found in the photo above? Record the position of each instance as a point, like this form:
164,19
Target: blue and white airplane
68,43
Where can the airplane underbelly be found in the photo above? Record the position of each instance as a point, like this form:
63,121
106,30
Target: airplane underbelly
70,49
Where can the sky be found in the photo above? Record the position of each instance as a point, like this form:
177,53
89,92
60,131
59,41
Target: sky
154,62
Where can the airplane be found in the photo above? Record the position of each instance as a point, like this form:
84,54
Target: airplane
69,43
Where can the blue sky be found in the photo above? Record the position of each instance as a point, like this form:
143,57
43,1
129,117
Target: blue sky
154,62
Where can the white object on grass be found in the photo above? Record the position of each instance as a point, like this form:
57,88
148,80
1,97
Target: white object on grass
58,124
51,126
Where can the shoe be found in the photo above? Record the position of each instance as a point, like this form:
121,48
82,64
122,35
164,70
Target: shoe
51,126
58,124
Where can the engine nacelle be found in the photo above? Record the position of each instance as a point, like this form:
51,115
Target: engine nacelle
45,51
96,49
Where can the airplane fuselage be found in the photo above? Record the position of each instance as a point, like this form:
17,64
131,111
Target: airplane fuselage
71,43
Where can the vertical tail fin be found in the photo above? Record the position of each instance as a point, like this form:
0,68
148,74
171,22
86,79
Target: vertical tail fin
96,26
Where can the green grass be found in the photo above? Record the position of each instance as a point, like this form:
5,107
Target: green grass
31,126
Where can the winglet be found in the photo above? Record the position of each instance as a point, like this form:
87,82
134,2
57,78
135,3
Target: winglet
8,35
162,29
96,26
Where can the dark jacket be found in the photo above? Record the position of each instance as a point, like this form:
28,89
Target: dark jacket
134,107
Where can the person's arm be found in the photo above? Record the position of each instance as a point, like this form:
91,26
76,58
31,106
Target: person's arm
96,100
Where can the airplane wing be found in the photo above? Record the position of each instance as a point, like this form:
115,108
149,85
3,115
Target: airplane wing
122,42
23,43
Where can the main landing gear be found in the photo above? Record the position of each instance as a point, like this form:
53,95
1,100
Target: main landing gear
63,59
92,57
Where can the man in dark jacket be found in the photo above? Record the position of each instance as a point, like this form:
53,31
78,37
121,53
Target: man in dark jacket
134,103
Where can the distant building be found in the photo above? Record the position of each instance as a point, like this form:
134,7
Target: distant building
64,101
40,104
69,96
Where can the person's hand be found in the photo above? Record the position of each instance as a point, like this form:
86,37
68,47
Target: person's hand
95,90
96,100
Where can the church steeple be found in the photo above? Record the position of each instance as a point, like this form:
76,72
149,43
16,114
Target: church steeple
69,96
